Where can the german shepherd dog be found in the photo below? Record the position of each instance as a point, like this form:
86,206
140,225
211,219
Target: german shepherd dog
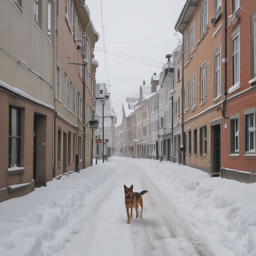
133,199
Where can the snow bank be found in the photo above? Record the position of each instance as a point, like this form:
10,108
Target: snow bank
221,210
51,223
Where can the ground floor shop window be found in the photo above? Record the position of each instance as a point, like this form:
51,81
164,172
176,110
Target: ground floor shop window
203,140
250,132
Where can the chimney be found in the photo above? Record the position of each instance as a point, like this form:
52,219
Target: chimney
154,74
143,82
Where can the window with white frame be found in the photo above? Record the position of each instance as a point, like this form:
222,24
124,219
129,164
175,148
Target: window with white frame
191,38
203,140
178,106
217,4
204,16
250,132
49,32
76,103
234,135
235,5
74,100
70,97
65,90
66,8
58,85
186,55
80,107
203,83
192,92
19,3
38,12
14,136
235,39
254,42
217,75
195,142
188,96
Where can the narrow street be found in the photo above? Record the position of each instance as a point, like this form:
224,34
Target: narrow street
162,231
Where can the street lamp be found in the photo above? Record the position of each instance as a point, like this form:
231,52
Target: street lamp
103,102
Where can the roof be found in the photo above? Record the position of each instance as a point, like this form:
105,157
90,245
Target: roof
185,15
127,111
155,77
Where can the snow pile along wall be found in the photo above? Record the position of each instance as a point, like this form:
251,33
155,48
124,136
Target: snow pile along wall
53,222
221,210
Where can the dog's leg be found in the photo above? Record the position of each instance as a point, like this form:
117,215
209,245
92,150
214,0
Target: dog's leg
141,205
131,212
128,215
137,210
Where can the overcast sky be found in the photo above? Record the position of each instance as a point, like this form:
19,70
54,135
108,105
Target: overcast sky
140,30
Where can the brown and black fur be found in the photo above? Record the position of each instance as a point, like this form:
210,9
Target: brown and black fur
133,199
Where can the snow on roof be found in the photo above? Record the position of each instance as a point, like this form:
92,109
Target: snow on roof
94,30
126,109
155,77
146,89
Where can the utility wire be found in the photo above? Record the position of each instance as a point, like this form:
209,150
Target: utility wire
128,59
100,48
104,45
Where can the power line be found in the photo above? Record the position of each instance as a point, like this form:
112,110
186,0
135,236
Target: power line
128,59
104,45
130,56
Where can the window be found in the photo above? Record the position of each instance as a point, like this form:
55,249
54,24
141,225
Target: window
250,132
58,84
235,57
186,50
192,92
203,83
145,114
179,106
66,8
191,38
178,74
254,42
217,74
234,135
235,5
189,142
203,140
14,136
38,12
195,142
74,147
204,17
49,20
65,90
162,122
80,107
217,4
19,3
69,148
70,97
188,95
59,146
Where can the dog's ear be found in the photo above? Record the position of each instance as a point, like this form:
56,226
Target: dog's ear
125,187
131,187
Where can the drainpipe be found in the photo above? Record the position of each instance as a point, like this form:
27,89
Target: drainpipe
55,112
182,104
225,73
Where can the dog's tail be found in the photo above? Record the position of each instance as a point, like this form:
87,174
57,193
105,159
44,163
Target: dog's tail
143,192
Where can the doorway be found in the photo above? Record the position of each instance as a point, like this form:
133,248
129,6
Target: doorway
157,156
64,153
216,148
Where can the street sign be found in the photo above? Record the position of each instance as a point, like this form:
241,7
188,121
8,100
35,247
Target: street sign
98,140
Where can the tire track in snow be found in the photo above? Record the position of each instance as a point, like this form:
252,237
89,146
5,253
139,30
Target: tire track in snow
170,229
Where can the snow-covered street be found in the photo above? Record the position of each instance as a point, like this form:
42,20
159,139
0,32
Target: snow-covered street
185,213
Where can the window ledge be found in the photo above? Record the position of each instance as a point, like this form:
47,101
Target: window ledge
15,170
203,36
250,154
253,81
17,187
233,16
234,88
37,25
217,98
234,155
202,103
58,100
190,58
193,108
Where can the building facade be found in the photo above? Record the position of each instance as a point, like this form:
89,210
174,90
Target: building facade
42,93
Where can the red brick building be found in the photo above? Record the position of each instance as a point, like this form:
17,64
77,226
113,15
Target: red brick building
239,47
